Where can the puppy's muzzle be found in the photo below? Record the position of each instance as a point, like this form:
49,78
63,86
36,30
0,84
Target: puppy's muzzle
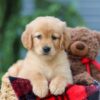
46,50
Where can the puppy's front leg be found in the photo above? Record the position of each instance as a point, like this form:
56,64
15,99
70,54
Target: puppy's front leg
58,85
40,85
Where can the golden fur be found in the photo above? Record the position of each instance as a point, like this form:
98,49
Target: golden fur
39,68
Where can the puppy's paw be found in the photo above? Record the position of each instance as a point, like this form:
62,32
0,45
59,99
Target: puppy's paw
15,68
57,87
40,88
5,78
13,71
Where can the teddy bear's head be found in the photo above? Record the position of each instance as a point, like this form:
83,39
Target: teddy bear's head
85,42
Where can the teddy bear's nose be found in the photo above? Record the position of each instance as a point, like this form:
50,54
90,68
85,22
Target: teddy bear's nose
80,46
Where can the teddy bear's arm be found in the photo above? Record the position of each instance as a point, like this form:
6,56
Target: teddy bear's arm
83,78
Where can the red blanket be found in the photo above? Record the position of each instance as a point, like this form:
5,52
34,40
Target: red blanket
23,90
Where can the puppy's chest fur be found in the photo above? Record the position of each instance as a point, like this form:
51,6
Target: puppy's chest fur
49,69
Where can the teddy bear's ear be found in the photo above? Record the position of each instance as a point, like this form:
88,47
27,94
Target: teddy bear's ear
98,36
27,37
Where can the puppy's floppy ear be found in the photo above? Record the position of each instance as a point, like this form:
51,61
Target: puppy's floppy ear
27,37
67,38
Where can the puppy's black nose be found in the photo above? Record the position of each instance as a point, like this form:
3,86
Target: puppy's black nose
46,49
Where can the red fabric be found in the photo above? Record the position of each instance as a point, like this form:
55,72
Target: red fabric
20,88
88,61
77,92
23,90
74,92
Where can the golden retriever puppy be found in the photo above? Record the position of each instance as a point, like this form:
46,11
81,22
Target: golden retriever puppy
46,64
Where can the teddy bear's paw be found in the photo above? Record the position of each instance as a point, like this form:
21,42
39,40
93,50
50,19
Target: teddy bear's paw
40,88
57,87
83,79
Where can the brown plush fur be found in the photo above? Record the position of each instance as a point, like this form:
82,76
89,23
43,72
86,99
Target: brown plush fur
87,46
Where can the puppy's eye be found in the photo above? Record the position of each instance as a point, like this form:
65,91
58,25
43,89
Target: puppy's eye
38,36
54,37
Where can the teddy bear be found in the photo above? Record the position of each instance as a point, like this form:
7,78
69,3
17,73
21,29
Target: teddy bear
82,52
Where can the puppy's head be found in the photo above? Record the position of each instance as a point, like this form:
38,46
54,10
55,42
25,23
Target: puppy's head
46,36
